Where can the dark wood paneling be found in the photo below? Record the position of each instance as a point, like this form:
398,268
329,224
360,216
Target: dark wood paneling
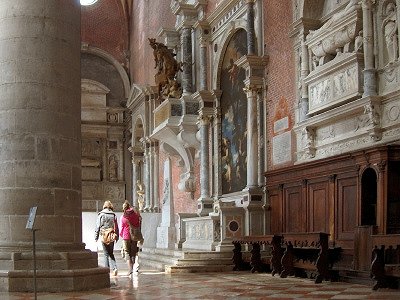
276,212
295,216
347,207
318,207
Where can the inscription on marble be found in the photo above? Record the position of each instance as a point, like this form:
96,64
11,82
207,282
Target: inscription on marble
281,124
281,148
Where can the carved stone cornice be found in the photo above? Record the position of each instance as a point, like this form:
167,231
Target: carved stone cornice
255,69
170,36
204,30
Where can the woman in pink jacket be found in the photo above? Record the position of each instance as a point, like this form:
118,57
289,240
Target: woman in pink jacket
129,247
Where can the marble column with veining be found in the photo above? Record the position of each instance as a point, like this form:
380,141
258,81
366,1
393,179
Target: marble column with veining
217,147
369,59
204,157
203,66
186,40
252,137
261,137
251,34
40,142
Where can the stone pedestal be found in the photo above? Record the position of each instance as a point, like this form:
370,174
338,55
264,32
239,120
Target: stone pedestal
166,232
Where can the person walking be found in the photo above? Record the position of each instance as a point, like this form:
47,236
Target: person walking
130,217
106,221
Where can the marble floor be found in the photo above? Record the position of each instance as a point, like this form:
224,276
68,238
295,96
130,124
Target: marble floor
150,285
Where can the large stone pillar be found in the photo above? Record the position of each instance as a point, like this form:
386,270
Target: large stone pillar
40,148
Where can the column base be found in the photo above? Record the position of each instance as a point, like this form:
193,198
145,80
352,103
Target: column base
204,206
56,272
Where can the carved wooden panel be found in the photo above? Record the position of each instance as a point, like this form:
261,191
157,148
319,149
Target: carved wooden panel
276,211
318,207
295,214
347,207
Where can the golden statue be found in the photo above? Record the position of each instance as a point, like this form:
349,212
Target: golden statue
167,68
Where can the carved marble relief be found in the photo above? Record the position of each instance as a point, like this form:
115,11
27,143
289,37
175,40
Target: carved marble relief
335,83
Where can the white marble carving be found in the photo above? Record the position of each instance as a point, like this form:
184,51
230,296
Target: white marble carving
336,83
166,233
337,33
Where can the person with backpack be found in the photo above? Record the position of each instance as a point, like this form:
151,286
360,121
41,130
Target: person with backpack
131,234
107,229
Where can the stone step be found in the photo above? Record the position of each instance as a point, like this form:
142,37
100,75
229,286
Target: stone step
198,269
205,262
207,255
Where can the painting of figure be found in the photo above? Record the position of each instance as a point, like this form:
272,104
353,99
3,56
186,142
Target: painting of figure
233,116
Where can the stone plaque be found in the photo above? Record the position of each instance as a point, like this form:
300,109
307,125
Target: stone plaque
281,148
281,124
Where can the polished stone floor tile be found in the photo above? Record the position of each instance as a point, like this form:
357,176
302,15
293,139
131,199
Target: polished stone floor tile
153,285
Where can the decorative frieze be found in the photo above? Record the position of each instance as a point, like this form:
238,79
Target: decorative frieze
335,83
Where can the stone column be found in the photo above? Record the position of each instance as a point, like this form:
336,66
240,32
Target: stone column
252,136
369,71
186,40
304,71
217,144
135,177
203,66
156,176
204,156
147,178
261,137
251,34
151,176
40,142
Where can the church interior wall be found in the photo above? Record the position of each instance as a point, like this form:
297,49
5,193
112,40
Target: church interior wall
105,26
146,21
280,95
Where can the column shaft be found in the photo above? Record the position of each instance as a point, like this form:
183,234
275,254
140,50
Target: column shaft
369,61
40,130
186,37
252,138
203,67
204,158
251,34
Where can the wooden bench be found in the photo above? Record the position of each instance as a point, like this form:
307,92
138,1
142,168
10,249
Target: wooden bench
256,263
309,251
385,265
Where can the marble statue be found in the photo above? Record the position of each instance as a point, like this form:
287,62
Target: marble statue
140,194
353,5
389,26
